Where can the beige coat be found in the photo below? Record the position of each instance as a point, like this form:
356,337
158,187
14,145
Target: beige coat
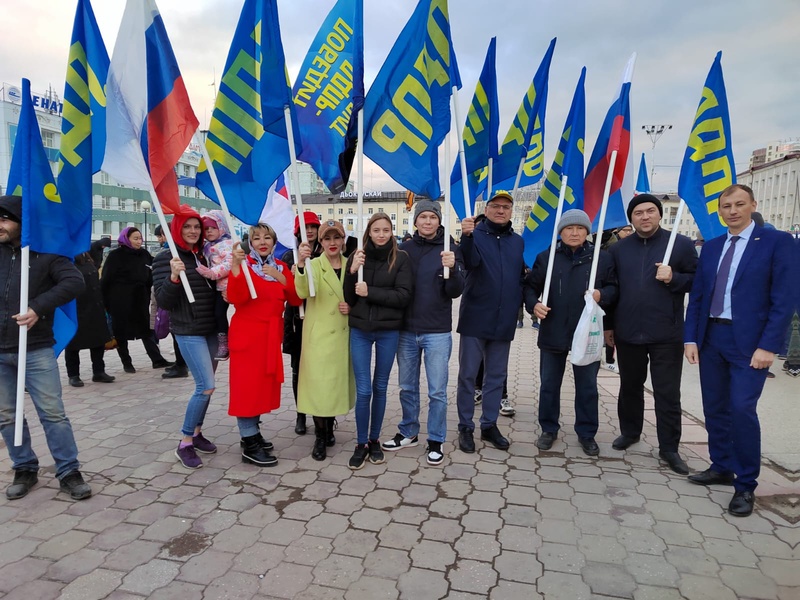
326,387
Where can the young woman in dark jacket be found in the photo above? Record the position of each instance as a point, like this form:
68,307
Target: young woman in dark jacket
126,282
377,305
192,324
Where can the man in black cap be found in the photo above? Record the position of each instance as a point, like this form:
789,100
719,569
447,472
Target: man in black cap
648,326
53,281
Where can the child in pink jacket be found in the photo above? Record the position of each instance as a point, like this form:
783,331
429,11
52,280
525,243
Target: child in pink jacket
218,249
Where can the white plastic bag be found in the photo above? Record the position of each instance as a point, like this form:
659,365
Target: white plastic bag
587,343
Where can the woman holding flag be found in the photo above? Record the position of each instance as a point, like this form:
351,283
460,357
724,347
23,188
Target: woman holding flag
377,305
255,337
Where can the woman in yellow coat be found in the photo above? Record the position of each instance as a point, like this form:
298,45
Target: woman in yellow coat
326,388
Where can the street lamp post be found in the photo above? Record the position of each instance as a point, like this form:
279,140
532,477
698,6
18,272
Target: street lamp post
146,208
654,132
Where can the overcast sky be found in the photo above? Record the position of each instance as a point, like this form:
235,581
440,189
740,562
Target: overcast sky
676,41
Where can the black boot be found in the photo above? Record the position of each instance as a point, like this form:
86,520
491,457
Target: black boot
253,452
330,439
321,434
300,424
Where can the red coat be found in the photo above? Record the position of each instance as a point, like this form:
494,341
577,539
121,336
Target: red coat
254,341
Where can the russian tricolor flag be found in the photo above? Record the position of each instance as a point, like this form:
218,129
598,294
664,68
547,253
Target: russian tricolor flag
149,119
279,214
615,134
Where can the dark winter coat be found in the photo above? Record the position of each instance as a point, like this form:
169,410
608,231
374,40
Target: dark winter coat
126,282
388,292
92,324
493,292
650,311
431,308
52,281
185,318
292,323
571,271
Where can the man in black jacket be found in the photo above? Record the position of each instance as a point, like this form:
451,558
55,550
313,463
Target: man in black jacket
648,326
427,325
53,281
559,319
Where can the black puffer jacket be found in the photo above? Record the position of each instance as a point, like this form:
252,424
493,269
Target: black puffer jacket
431,308
92,323
388,292
292,323
53,281
185,318
570,281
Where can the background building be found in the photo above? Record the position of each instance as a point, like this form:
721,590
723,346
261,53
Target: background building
775,186
774,151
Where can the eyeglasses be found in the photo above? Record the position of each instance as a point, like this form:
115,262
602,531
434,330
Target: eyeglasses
496,206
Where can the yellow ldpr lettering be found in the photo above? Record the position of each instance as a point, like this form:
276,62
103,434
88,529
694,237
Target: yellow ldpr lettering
534,160
335,41
390,134
328,54
343,29
719,166
81,122
713,144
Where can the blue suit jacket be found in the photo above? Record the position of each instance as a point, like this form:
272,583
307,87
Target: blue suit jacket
761,296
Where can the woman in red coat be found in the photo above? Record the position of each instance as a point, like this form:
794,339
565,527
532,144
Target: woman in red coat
255,336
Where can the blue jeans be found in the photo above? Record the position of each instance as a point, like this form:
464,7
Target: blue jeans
197,351
248,426
494,354
369,415
44,385
551,372
437,348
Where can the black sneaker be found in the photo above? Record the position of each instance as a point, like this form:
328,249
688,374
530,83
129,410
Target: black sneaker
23,483
76,381
359,457
376,456
175,372
73,484
435,455
399,441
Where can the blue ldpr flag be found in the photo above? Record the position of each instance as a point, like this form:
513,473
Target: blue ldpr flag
642,181
46,220
329,92
525,137
539,227
480,135
708,166
247,140
407,109
83,125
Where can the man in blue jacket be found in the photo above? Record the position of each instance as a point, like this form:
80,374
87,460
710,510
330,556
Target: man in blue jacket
488,316
53,281
427,330
648,327
572,266
739,308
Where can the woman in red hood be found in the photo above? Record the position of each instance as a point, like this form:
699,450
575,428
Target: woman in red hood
192,324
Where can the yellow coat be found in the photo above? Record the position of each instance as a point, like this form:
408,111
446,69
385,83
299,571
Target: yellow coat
326,387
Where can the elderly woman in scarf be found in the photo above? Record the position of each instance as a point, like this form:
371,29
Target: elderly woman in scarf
126,281
256,332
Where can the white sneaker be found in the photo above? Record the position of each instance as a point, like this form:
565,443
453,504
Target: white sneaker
478,395
613,367
435,455
399,441
507,408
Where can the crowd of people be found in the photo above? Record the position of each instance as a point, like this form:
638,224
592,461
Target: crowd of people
383,302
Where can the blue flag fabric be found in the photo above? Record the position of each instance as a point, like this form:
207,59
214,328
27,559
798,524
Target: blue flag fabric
407,109
525,137
329,92
642,181
247,140
539,227
708,166
480,135
46,220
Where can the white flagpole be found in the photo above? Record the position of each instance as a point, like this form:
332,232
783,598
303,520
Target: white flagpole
519,175
551,258
603,209
287,113
459,133
224,206
674,233
170,241
489,179
360,191
22,355
447,199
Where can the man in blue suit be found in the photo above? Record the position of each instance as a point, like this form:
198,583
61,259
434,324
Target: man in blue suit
739,308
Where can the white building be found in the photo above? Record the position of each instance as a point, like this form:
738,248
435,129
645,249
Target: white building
774,151
775,186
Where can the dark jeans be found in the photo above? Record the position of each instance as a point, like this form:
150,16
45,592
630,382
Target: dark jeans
479,382
72,358
494,353
551,372
150,347
666,363
221,313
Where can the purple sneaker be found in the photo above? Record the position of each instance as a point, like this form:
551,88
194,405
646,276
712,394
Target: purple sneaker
201,444
188,457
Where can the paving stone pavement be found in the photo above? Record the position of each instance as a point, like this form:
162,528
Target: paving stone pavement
522,524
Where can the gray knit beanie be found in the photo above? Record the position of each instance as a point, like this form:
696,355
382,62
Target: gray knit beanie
427,206
575,217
